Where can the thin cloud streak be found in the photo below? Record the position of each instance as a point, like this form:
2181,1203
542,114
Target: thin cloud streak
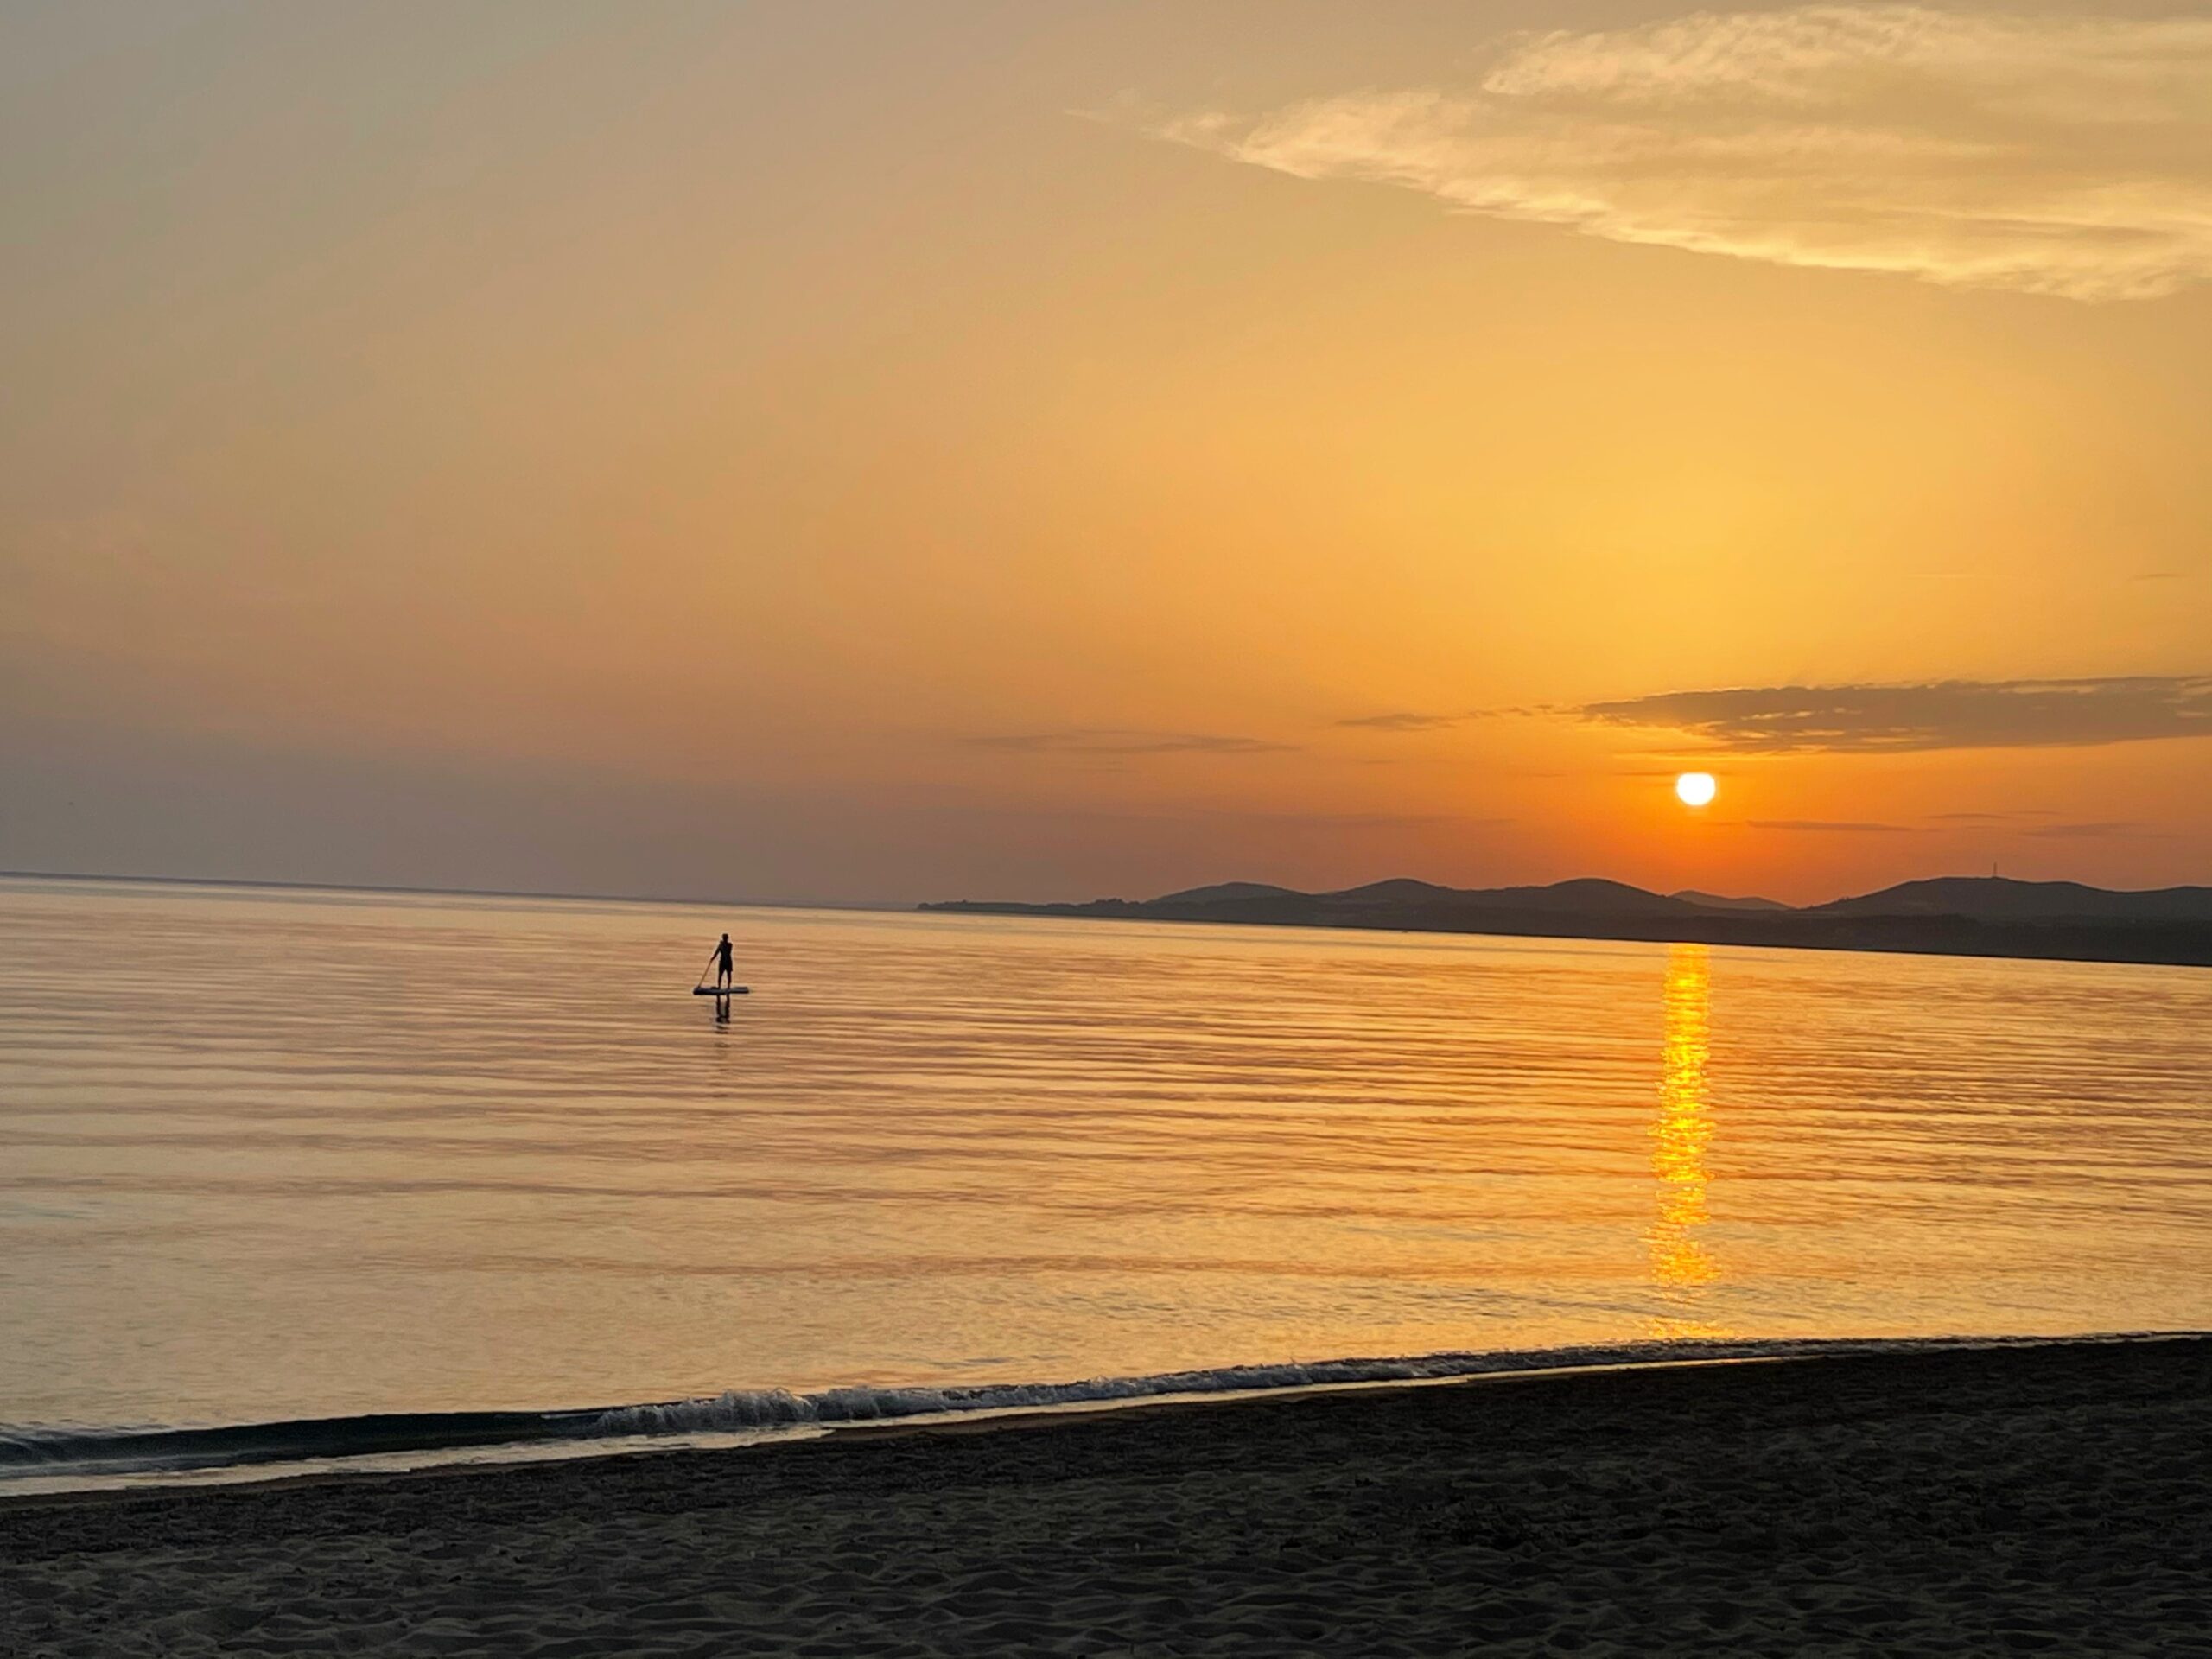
2059,156
1405,722
1824,827
1940,715
2129,830
1088,740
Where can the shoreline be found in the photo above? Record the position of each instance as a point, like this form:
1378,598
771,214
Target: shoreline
2054,1497
2162,945
95,1460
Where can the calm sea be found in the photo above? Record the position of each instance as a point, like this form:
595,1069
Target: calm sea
272,1155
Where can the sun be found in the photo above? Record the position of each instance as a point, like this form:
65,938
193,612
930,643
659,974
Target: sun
1696,788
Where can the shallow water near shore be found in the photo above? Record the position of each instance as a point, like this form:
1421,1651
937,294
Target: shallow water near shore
275,1156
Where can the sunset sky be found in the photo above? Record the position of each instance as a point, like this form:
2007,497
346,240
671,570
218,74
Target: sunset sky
891,451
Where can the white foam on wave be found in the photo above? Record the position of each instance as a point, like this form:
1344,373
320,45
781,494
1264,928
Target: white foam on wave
62,1455
780,1408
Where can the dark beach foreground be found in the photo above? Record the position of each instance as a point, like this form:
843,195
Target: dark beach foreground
2051,1499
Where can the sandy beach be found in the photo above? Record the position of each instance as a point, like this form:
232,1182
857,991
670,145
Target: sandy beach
2054,1500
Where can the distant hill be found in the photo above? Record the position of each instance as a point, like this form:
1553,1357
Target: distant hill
1715,901
1990,898
1586,896
1955,916
1397,891
1223,892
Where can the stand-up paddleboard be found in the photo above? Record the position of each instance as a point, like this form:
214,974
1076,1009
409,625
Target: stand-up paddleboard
722,990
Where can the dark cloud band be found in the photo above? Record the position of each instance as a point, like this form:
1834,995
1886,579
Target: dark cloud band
1939,714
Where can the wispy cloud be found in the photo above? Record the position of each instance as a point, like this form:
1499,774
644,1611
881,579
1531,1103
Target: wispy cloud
1940,715
1405,722
1089,741
2066,156
2107,829
1826,827
2023,822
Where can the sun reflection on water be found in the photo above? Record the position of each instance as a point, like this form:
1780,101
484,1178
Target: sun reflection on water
1682,1266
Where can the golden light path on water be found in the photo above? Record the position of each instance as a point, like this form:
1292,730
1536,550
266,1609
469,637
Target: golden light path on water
1682,1264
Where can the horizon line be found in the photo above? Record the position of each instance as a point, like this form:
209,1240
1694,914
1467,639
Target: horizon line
888,905
406,889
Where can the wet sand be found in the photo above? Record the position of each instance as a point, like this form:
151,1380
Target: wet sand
2048,1500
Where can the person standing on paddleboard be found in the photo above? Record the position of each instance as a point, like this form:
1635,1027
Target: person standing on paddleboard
724,970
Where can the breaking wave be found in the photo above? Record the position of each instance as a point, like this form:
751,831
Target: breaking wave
47,1453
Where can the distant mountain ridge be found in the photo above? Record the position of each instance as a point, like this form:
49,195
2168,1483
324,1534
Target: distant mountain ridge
1225,892
1949,915
1716,901
1990,898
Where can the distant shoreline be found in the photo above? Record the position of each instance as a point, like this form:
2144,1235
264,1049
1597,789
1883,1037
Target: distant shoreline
2178,943
2167,945
404,892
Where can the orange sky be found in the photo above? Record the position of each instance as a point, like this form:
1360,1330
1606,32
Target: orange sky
891,452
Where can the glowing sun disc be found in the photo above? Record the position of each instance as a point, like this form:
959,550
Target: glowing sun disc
1696,788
